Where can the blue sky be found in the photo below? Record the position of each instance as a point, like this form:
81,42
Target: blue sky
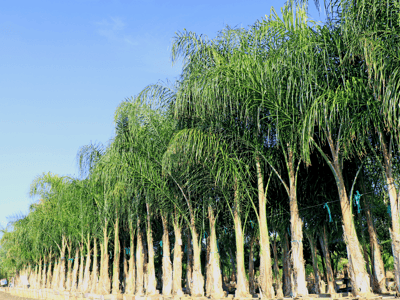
66,65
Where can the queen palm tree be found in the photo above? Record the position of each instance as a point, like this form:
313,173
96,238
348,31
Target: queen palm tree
260,104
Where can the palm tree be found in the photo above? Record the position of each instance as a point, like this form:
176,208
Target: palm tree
261,105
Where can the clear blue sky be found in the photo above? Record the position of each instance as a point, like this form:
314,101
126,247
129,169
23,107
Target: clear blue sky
66,65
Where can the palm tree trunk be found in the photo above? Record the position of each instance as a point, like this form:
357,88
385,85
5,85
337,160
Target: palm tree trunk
56,272
313,248
252,287
197,289
365,251
376,256
358,274
75,271
323,239
189,265
166,260
278,280
378,270
31,276
139,262
197,280
151,288
214,260
287,269
125,270
69,268
49,277
394,206
43,285
86,276
61,270
208,275
233,265
34,278
242,284
367,260
81,267
146,255
104,281
39,274
131,284
265,278
115,278
299,287
177,266
95,274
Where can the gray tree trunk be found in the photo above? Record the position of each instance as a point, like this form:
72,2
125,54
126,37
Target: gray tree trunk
117,254
177,265
299,287
242,284
61,270
81,267
74,275
323,239
131,281
317,276
189,265
166,260
215,276
95,271
139,262
86,276
287,268
265,278
151,287
278,280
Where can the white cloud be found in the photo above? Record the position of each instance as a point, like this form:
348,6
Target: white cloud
113,29
129,40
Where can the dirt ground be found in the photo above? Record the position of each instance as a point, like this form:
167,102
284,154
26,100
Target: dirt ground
7,296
